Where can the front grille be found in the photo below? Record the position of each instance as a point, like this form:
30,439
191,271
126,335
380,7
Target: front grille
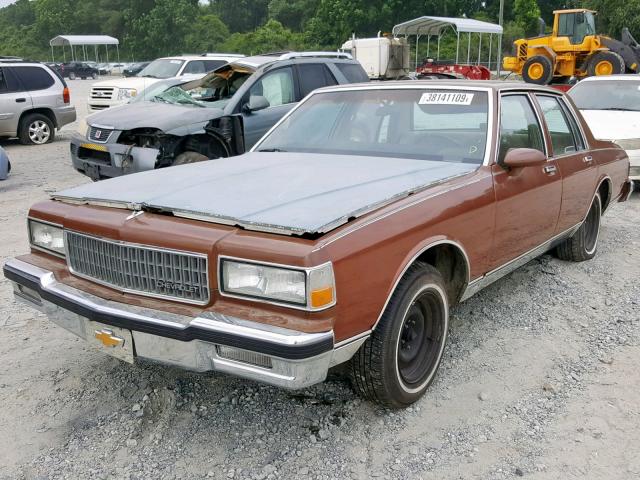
522,51
98,107
100,135
139,269
103,93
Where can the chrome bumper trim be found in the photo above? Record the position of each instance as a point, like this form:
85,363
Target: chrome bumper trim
297,359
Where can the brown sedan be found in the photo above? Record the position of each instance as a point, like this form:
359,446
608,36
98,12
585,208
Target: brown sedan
346,235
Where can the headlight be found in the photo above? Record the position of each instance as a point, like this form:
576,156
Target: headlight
126,93
47,237
82,127
309,288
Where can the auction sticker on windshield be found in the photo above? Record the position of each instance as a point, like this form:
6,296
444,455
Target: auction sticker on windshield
446,98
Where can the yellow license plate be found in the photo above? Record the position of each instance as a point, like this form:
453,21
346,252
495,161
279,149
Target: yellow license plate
93,146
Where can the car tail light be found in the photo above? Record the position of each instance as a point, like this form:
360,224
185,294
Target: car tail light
66,95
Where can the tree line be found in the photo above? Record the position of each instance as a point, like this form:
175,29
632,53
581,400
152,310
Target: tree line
152,28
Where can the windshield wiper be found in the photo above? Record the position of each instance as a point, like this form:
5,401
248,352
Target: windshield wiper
620,109
271,150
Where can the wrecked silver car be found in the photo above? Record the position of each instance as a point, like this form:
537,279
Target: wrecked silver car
179,121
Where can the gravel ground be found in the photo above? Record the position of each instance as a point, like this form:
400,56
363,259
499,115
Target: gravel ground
539,380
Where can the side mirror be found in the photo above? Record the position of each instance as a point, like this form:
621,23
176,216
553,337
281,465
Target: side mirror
523,157
256,102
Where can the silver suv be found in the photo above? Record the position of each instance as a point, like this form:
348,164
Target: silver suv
34,102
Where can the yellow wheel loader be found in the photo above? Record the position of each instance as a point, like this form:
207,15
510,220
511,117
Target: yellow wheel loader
573,49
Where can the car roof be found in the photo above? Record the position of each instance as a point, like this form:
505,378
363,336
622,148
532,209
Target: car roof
496,85
215,56
621,76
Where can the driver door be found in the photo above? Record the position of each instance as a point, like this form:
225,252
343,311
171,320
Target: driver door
278,88
528,198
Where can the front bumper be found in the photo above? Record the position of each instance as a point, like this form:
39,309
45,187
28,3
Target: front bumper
210,341
108,160
97,104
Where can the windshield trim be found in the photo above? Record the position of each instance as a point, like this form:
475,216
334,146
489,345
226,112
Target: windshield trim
487,159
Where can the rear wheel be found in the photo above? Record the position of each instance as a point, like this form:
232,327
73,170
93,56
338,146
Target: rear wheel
72,76
36,129
605,63
93,75
583,244
538,69
396,365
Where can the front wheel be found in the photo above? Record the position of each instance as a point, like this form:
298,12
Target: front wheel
396,365
189,157
538,70
583,244
72,76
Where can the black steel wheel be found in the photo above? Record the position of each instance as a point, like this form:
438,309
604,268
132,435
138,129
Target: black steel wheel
398,362
583,244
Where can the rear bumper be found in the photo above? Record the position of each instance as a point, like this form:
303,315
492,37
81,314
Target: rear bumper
210,341
65,115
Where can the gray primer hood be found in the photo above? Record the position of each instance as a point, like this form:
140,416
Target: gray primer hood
290,193
162,116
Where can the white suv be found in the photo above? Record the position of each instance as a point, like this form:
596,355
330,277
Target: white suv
111,93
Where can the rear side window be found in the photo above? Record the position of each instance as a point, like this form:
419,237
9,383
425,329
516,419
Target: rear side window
8,81
562,133
202,66
211,65
354,73
34,78
314,75
519,127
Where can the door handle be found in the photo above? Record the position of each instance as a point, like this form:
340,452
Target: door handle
587,159
550,169
21,100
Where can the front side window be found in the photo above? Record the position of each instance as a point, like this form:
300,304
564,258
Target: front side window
440,125
8,81
563,139
276,87
519,127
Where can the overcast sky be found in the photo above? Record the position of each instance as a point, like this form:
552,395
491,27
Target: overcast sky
4,3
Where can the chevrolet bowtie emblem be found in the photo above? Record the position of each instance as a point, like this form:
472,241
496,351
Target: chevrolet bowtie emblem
108,339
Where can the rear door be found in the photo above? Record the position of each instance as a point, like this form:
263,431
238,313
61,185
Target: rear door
528,198
40,85
578,169
13,101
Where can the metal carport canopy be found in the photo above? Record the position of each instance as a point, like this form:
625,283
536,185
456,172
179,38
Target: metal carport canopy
434,26
61,40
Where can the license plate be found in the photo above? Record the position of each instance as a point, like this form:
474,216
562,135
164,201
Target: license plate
92,171
115,341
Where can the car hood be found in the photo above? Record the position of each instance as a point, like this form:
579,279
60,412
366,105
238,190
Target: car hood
613,124
290,193
139,83
163,116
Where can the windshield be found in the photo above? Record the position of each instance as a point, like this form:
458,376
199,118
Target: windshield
214,92
433,124
152,90
621,95
162,68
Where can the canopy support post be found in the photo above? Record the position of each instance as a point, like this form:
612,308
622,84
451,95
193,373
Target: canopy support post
438,56
480,50
490,39
457,45
118,51
468,47
417,44
53,57
428,44
106,49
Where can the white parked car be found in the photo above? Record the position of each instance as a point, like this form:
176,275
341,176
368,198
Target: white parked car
118,91
611,106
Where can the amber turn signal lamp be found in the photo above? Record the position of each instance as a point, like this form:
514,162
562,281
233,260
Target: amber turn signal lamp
66,95
321,297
